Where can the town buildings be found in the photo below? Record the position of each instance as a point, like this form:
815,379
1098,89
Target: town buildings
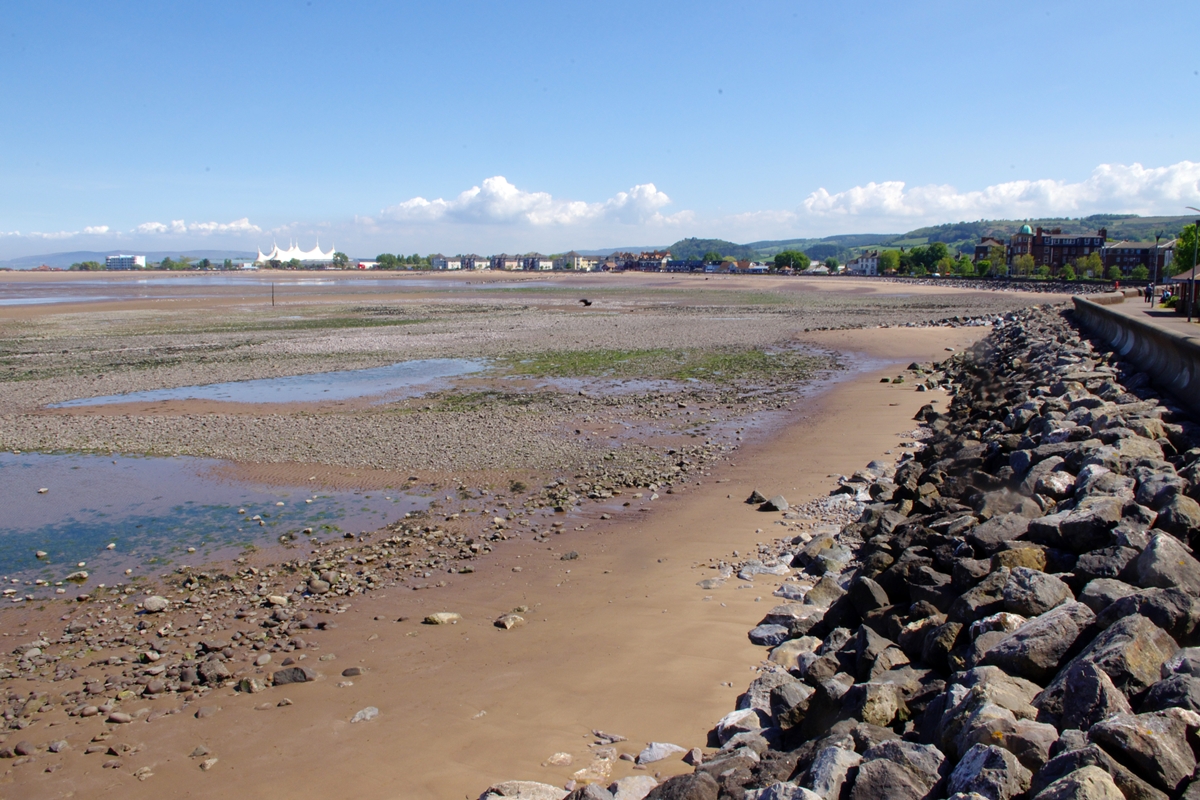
1129,255
866,263
1052,247
986,245
439,261
125,262
575,262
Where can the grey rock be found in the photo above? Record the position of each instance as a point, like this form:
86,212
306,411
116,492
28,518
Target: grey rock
874,703
590,791
696,786
991,772
989,537
1173,610
1165,564
156,604
866,595
883,778
1080,529
1180,516
984,599
1036,649
658,751
1030,592
825,593
776,503
1090,697
1105,562
769,635
1100,593
1155,743
1086,783
213,672
829,771
1063,764
923,762
741,721
1176,691
782,791
293,675
633,787
1185,662
527,790
1131,652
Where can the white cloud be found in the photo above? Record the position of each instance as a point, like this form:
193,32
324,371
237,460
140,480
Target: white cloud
178,226
497,201
1115,188
96,229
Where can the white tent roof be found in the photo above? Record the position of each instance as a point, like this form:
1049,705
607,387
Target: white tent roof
293,251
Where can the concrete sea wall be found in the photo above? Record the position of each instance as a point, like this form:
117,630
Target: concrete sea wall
1172,360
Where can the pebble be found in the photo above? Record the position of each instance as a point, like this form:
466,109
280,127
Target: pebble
366,715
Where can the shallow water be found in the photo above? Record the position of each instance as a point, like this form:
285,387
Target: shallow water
153,509
405,379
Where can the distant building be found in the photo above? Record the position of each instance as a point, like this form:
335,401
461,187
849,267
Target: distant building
866,263
439,261
537,262
125,262
506,262
473,261
577,263
1129,255
367,264
984,248
685,265
653,260
1053,248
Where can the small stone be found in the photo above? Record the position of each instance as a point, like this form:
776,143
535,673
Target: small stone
155,604
366,715
208,764
443,618
351,672
776,503
560,760
509,621
657,751
262,660
120,717
199,752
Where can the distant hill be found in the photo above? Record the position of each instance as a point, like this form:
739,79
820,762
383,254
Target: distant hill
65,260
964,235
686,249
608,251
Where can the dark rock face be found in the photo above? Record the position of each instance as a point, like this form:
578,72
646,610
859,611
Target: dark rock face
1037,648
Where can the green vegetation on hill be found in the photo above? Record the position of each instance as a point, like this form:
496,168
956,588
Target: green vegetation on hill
959,237
690,249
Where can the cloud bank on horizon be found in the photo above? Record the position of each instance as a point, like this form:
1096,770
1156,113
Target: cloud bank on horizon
497,213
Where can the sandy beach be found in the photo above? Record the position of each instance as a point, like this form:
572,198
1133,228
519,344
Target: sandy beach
618,638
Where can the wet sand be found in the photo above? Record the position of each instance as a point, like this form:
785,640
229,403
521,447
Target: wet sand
619,640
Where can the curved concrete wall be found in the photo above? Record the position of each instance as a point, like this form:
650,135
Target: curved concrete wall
1171,360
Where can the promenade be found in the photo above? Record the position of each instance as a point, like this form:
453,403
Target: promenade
1166,318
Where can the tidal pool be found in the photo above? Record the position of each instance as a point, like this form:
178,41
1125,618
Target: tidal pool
407,378
154,509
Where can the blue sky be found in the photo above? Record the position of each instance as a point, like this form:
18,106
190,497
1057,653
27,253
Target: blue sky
488,126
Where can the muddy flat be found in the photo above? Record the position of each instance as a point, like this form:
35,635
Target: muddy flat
722,386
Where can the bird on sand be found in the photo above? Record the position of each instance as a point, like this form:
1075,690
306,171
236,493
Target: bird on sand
585,301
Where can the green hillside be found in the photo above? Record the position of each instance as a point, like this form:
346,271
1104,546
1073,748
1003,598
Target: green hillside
958,236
